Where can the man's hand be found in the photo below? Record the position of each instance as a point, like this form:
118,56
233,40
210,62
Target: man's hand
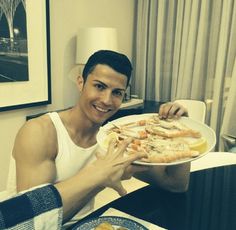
131,170
110,168
171,110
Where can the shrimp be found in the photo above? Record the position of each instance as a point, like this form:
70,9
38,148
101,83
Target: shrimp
173,133
170,156
152,120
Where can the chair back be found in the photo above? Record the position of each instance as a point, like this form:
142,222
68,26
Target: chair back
196,109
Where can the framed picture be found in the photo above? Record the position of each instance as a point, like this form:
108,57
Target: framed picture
25,79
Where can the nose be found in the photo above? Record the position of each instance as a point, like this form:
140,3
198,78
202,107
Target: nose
107,97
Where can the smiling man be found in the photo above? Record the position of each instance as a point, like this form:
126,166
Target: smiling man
55,146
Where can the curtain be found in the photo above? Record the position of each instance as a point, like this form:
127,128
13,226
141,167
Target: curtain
226,53
228,124
185,49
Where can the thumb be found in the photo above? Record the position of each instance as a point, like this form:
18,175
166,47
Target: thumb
99,155
119,188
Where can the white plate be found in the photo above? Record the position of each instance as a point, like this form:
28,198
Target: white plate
207,132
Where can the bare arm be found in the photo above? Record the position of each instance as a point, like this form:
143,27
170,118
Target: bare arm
77,191
172,178
34,154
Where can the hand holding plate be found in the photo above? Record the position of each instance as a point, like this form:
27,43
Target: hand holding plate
172,109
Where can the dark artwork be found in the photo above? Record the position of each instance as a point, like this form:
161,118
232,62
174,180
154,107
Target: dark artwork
13,41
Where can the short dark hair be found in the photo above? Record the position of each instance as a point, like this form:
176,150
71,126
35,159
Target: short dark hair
117,61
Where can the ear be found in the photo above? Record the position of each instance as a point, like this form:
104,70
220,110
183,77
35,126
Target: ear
80,83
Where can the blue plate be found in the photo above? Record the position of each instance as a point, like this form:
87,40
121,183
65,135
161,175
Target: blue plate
115,221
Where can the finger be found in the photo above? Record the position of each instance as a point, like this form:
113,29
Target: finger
99,155
124,145
177,110
133,157
164,110
128,160
173,110
111,146
132,169
182,112
119,188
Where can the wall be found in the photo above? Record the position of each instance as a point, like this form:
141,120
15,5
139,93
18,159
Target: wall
66,17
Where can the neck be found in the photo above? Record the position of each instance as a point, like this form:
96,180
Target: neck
81,130
81,122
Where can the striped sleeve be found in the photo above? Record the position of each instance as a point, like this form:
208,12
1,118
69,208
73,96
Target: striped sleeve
40,208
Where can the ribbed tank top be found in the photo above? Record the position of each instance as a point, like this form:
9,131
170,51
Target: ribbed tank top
70,157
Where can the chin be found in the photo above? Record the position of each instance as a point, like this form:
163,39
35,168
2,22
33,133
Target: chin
99,120
103,119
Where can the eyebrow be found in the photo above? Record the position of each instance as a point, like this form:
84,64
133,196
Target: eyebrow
102,83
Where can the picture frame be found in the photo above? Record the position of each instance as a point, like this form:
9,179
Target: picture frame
35,91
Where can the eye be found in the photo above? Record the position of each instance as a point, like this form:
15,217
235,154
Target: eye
100,87
118,93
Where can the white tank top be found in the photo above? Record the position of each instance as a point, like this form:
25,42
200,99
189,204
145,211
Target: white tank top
70,157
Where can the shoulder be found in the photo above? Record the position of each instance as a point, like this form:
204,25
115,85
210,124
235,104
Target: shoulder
37,133
38,126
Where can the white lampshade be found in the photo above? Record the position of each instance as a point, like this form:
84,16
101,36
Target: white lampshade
90,40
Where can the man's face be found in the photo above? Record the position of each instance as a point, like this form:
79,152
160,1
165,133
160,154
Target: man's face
102,93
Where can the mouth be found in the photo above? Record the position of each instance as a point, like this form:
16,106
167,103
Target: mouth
102,110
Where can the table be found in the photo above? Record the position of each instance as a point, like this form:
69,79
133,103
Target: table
209,203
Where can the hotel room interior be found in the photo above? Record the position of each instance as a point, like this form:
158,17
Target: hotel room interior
179,50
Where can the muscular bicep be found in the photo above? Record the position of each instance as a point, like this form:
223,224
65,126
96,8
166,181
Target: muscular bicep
34,162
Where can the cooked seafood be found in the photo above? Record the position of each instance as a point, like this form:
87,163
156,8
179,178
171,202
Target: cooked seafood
164,141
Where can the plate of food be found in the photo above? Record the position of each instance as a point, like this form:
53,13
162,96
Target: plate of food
165,141
109,223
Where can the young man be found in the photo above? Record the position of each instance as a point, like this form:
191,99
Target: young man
56,146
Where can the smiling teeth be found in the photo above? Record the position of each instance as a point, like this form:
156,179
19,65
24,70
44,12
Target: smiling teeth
102,110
